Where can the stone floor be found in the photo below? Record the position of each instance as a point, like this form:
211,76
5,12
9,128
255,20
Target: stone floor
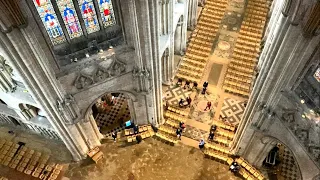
150,160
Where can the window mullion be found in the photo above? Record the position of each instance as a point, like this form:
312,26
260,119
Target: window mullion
96,6
81,20
63,26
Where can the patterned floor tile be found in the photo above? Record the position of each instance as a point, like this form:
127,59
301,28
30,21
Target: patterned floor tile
195,133
175,93
232,110
114,117
289,169
197,110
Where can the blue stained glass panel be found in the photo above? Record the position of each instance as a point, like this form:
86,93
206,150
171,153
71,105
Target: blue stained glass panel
89,15
107,13
50,21
70,18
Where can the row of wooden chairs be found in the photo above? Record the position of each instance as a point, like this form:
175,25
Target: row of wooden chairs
190,73
218,147
167,129
223,125
249,64
247,47
249,168
261,9
225,133
167,137
254,25
246,53
194,62
238,73
175,116
241,68
236,90
178,111
201,33
257,4
183,76
251,34
172,122
246,37
143,128
223,140
242,57
248,43
27,160
243,79
240,85
144,135
216,154
186,65
252,29
196,46
256,11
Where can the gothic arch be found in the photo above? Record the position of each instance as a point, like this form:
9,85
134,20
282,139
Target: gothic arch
273,141
131,98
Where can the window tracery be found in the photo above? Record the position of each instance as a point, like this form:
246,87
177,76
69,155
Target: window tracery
70,18
50,21
72,13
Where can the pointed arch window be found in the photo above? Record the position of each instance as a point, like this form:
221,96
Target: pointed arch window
89,15
50,21
107,13
70,18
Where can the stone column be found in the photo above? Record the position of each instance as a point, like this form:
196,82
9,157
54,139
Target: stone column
144,18
178,37
28,57
166,66
192,14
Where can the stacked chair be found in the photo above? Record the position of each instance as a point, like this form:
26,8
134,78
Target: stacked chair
28,161
245,55
145,131
199,48
248,171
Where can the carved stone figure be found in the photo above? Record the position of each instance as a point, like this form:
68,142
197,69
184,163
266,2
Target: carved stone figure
83,81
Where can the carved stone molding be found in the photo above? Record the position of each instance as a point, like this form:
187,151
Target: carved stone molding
68,109
10,15
100,73
301,132
142,78
6,82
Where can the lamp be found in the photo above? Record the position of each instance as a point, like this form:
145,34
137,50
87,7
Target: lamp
302,101
87,55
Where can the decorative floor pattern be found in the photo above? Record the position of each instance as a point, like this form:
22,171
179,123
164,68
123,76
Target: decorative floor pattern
175,93
232,21
115,117
289,169
224,46
232,110
197,110
195,133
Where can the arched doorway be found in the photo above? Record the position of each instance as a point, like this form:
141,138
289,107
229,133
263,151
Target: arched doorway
111,111
281,164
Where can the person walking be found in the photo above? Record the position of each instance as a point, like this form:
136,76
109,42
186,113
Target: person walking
182,126
187,84
178,132
114,135
201,144
208,105
189,100
181,102
211,135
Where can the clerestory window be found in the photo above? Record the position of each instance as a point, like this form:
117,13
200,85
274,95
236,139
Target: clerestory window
62,19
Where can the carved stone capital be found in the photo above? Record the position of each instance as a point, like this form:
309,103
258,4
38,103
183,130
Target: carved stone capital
68,109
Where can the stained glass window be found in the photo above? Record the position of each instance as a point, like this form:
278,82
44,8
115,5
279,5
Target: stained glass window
70,18
107,14
50,21
89,15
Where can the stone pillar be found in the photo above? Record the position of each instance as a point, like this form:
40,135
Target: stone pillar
192,14
178,49
147,72
166,66
6,82
27,56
